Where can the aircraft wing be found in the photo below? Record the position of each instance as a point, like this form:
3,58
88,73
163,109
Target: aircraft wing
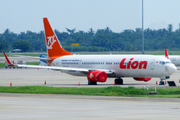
69,69
83,70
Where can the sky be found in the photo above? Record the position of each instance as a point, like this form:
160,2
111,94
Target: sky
23,15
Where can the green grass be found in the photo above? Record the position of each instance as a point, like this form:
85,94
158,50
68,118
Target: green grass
33,63
1,55
23,54
2,65
29,54
104,91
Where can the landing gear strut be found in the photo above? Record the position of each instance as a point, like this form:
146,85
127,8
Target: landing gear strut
118,81
92,83
163,78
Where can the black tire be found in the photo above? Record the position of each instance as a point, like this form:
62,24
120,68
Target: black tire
161,82
119,81
92,83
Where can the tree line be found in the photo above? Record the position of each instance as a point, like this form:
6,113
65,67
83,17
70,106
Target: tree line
100,40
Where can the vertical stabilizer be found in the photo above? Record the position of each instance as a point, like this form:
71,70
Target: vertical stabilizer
166,54
53,45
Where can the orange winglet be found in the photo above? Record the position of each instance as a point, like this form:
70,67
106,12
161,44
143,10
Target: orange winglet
7,59
166,54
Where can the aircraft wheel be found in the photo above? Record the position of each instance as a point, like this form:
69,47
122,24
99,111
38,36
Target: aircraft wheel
161,82
118,81
92,83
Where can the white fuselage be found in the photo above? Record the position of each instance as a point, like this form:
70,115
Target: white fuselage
121,65
175,59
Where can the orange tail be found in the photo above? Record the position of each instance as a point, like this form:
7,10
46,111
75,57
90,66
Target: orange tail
53,45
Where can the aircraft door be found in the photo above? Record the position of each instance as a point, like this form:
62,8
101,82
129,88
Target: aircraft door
152,64
80,64
104,65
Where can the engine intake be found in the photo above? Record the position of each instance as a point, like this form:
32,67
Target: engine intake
97,76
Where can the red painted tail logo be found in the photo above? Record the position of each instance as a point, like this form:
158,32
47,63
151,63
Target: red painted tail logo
133,64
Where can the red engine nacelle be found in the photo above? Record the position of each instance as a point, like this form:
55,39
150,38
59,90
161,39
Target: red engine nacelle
142,79
97,76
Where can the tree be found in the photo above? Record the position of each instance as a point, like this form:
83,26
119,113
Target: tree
71,31
170,27
3,45
21,44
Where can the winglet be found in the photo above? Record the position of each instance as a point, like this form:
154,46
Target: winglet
7,59
166,54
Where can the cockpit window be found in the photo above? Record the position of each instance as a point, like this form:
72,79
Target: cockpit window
163,62
167,62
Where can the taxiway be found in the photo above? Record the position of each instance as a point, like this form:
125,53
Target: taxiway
29,77
77,107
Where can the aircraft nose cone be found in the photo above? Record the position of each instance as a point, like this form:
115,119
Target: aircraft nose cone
172,69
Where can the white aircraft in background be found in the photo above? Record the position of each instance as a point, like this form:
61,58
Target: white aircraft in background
175,59
98,67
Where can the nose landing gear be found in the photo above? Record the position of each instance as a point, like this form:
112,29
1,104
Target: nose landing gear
163,78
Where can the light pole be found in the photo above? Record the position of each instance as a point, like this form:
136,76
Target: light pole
142,31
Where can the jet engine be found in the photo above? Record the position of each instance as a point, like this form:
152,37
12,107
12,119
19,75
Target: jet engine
142,79
97,76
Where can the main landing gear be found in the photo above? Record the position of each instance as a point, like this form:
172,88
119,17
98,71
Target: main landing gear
118,81
92,83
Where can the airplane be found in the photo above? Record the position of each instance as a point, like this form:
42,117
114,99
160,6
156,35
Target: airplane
43,62
175,59
97,68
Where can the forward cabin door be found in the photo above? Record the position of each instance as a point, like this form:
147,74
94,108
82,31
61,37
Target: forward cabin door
80,64
152,67
152,64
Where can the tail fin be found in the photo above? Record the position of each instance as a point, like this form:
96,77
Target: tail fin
166,54
53,45
8,61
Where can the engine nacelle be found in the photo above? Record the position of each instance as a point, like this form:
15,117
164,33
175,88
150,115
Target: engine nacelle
97,76
142,79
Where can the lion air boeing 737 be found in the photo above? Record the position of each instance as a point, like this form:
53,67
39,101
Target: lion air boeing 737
98,67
